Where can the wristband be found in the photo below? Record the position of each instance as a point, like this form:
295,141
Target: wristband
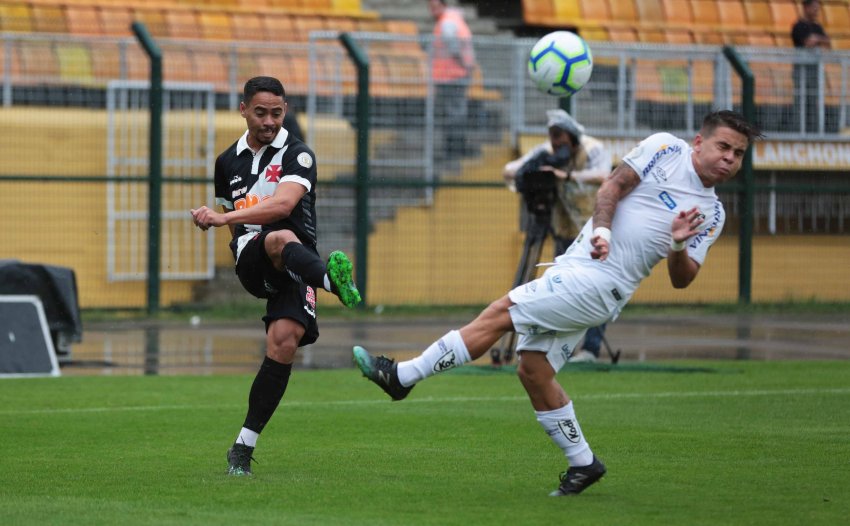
677,246
604,233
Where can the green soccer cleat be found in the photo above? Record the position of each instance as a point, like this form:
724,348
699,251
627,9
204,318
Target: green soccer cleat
382,371
239,460
342,284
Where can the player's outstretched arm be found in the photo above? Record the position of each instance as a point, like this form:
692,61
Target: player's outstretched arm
622,181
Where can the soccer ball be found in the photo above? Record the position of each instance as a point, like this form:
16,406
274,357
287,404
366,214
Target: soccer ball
560,63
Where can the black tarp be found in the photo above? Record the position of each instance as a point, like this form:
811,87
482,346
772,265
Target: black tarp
56,287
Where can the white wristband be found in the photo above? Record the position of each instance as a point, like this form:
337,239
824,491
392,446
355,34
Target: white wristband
677,246
604,233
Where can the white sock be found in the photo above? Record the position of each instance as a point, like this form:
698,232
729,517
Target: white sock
562,427
327,283
247,437
446,353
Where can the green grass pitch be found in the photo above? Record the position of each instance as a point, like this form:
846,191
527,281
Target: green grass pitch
715,443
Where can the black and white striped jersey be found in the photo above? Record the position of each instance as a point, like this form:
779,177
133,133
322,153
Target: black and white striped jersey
244,179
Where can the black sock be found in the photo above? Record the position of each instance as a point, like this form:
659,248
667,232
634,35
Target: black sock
266,392
305,264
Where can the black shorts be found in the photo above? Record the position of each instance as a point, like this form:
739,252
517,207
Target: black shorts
285,297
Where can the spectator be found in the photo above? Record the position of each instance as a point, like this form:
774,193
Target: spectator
807,34
579,172
452,64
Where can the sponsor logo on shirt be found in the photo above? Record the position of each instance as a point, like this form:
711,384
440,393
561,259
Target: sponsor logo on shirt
235,180
667,200
709,228
664,150
239,191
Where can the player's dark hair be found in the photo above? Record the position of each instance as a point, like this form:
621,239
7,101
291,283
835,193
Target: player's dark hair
258,84
733,120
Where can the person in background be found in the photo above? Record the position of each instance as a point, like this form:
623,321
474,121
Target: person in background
452,64
579,172
808,34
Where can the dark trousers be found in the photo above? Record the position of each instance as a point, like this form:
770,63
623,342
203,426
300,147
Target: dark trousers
451,109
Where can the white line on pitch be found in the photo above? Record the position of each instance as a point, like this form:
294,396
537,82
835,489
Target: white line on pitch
427,400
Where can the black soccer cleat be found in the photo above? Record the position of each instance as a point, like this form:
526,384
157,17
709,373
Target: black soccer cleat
239,460
382,371
576,480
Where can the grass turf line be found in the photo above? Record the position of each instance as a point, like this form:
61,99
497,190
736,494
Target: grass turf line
764,444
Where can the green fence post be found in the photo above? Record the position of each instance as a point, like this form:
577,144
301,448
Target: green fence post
747,194
155,164
361,255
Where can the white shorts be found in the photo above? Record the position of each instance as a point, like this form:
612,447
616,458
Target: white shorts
552,313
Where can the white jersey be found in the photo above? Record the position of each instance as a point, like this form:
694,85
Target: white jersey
641,229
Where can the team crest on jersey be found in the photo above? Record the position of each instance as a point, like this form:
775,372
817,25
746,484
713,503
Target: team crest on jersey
311,302
273,172
305,160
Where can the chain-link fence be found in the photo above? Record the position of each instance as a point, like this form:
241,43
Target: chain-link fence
443,229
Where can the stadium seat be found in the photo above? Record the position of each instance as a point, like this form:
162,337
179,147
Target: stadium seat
593,33
758,13
305,24
154,20
677,12
622,10
106,61
177,65
596,11
784,13
246,26
732,16
213,67
182,24
836,17
538,12
83,20
16,17
48,19
347,7
650,11
39,64
278,28
215,25
115,20
75,63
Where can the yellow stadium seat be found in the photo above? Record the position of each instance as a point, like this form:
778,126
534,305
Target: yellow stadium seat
106,61
212,66
75,63
16,17
651,11
758,13
705,13
278,27
48,19
732,14
215,25
154,20
305,24
595,11
623,10
346,7
177,65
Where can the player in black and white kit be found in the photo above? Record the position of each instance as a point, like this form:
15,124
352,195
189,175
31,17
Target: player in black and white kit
658,203
266,185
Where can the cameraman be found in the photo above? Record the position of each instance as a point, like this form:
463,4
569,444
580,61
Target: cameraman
578,177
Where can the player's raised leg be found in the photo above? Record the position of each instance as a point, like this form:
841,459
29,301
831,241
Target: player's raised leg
452,350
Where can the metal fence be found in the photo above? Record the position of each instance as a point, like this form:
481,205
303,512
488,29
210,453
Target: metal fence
446,217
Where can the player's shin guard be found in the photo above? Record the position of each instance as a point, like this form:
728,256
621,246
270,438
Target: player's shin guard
266,392
446,353
304,265
562,427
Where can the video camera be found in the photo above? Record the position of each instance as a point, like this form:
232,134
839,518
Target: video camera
539,187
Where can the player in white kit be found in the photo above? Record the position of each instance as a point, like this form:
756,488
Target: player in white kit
658,203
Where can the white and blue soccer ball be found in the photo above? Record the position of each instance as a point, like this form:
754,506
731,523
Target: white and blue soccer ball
560,63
